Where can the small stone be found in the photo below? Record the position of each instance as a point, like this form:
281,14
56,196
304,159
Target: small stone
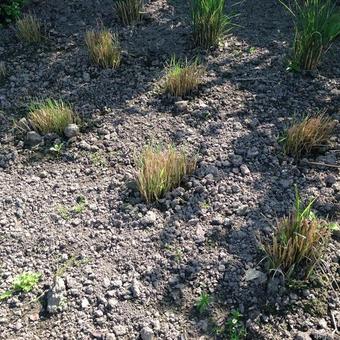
98,313
135,289
149,219
56,296
302,336
244,170
253,274
181,106
106,280
285,183
110,336
330,180
236,160
33,138
117,283
84,303
85,146
146,333
112,303
86,76
217,220
253,152
120,330
71,130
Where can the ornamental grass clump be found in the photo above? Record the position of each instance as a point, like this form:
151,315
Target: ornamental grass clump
298,243
309,135
51,116
209,22
317,25
183,76
129,11
104,48
29,29
161,170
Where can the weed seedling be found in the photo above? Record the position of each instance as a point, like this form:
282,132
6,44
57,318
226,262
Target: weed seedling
22,283
234,326
63,212
80,206
57,148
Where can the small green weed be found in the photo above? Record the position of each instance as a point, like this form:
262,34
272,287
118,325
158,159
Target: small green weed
10,10
232,329
57,149
22,283
80,206
98,159
252,50
64,212
234,326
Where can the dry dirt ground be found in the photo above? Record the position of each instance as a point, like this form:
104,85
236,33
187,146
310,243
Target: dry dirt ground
132,269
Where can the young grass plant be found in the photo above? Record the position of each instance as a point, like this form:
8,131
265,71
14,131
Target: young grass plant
203,302
317,25
307,136
161,170
29,29
298,242
209,23
51,116
129,11
183,76
104,48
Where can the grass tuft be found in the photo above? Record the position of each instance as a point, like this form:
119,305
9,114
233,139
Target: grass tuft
129,11
317,25
203,302
29,29
209,23
182,76
161,170
298,243
51,116
308,135
104,48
